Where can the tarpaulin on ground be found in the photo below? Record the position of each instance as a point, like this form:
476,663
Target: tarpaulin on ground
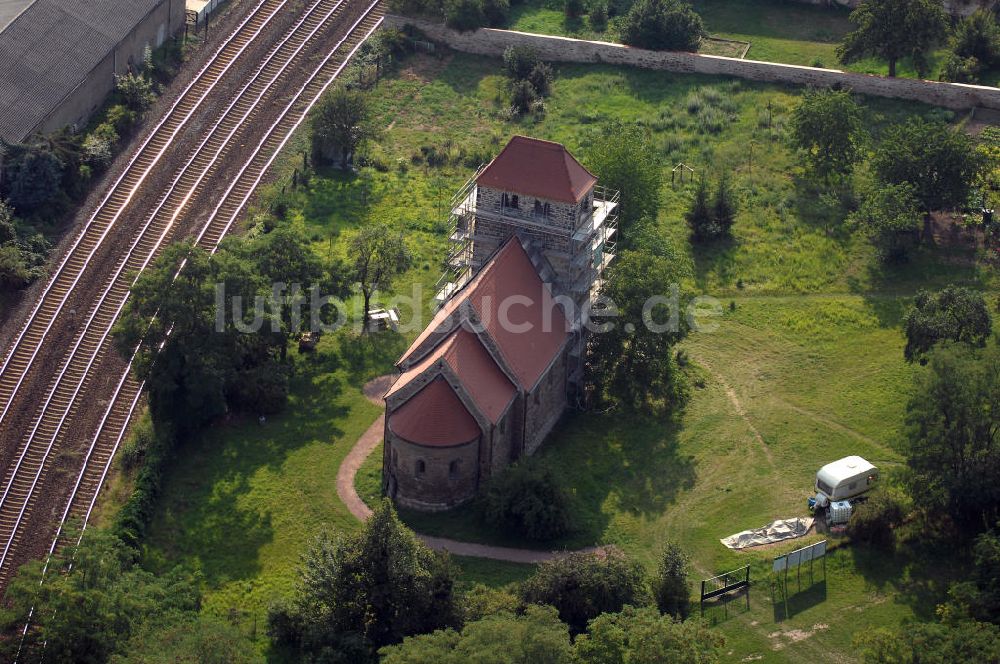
782,529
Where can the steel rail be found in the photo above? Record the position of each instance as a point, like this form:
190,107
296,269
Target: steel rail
116,201
96,347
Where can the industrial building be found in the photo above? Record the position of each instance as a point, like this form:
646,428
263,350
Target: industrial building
58,58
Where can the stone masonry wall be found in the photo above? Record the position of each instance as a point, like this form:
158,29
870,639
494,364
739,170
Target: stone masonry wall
490,42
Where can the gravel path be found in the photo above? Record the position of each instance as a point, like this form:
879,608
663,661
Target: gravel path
367,443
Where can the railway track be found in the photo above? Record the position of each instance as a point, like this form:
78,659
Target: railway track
93,341
24,349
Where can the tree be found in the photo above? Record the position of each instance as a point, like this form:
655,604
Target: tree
380,255
360,592
699,214
632,363
874,519
464,15
940,162
33,176
954,314
977,36
929,643
598,17
341,123
189,640
673,596
573,8
526,499
624,159
643,636
495,12
186,383
724,206
953,452
895,29
889,218
537,637
828,127
93,599
978,597
582,586
663,25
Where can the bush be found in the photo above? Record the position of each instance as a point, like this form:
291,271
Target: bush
598,17
464,15
873,520
663,25
121,118
541,79
582,586
978,37
523,97
520,61
526,499
961,70
496,12
573,8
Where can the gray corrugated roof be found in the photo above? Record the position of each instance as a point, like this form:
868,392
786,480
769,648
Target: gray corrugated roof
50,48
9,9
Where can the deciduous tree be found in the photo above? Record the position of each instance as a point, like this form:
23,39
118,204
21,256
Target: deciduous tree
360,592
954,435
827,126
939,162
953,314
341,123
889,218
631,360
380,255
582,586
895,29
624,159
643,636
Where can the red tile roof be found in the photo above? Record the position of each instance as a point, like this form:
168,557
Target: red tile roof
434,417
509,274
485,381
537,168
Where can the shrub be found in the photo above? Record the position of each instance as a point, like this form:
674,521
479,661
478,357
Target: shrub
598,17
724,206
496,12
673,597
526,499
523,97
541,79
135,90
139,440
520,61
961,70
464,15
978,37
663,25
573,8
582,586
873,520
96,150
121,118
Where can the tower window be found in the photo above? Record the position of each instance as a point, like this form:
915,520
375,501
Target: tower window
453,468
539,209
421,467
513,201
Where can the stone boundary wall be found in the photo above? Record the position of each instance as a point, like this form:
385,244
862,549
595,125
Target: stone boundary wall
491,42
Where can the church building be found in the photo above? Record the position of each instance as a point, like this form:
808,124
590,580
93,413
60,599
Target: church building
502,358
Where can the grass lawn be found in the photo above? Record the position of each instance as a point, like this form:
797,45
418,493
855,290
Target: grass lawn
816,378
812,352
777,31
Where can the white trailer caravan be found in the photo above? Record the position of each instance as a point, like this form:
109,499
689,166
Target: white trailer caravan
841,480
